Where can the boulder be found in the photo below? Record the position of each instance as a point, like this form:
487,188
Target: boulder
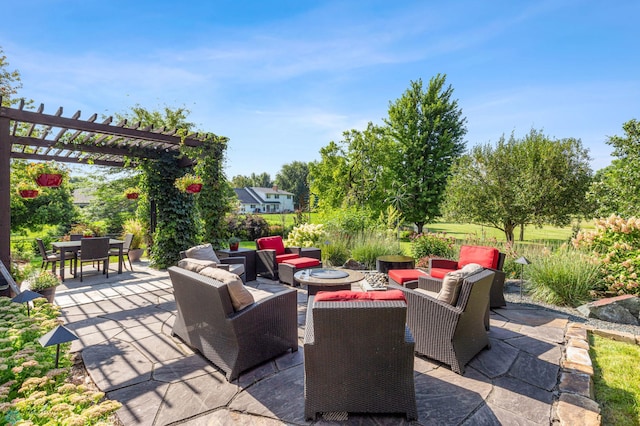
353,264
620,309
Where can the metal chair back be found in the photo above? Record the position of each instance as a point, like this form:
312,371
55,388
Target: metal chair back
94,249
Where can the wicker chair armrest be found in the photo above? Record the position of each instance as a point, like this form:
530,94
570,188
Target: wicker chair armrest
266,255
261,315
443,263
434,314
293,249
429,283
224,266
312,252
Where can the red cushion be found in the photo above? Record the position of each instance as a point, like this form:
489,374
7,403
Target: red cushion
401,276
302,262
271,243
348,295
487,257
287,256
439,272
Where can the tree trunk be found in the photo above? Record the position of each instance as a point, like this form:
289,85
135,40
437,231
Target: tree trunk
508,231
522,232
420,225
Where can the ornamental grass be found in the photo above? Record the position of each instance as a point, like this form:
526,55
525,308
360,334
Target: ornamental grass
32,390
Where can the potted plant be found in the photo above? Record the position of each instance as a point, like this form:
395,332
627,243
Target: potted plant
234,242
189,183
132,193
45,283
27,189
134,226
46,174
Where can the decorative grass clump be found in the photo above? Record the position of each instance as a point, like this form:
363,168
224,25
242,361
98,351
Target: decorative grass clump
563,277
367,248
616,380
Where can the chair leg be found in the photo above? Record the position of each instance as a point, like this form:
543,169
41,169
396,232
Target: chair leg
81,271
106,266
129,259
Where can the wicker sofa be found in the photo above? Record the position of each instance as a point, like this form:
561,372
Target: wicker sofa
452,333
233,339
358,357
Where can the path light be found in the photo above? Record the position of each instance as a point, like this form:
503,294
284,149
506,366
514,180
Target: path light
26,297
57,336
522,261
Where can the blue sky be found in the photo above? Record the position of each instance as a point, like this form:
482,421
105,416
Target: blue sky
282,79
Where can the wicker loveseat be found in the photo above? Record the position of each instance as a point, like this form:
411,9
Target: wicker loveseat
233,339
452,333
358,357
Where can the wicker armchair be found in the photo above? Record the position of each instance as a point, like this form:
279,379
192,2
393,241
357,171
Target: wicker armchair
358,357
236,265
233,341
270,251
452,334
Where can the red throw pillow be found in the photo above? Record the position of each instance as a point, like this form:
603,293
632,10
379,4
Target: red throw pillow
487,257
271,243
348,295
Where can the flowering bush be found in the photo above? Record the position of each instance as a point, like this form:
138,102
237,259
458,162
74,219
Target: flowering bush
432,245
305,235
32,390
616,243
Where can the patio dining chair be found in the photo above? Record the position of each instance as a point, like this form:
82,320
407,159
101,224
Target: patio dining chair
48,256
125,250
94,250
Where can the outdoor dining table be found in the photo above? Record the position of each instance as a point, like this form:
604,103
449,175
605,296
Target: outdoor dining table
74,246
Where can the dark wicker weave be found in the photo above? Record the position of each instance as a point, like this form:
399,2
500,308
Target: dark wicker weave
267,266
358,357
450,334
497,287
233,341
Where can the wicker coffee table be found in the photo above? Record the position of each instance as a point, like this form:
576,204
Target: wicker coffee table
326,279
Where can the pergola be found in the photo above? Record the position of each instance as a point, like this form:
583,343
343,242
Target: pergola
34,135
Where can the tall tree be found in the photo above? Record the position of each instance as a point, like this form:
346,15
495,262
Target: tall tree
428,128
262,180
240,181
293,178
616,188
9,81
534,180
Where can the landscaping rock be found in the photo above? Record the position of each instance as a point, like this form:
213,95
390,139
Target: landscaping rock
620,309
353,264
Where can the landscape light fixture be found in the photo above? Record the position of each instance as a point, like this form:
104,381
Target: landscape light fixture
26,297
522,261
57,336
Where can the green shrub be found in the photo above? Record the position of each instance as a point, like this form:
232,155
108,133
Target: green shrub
306,235
564,277
616,243
368,247
334,252
433,245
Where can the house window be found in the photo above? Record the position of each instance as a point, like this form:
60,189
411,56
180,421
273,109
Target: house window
277,197
253,206
288,197
268,195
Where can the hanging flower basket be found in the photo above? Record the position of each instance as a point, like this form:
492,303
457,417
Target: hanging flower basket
27,190
132,193
28,193
46,174
189,183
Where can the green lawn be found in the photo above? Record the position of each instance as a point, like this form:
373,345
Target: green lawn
616,380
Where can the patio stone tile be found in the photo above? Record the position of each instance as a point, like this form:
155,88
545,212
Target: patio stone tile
194,396
543,350
522,399
224,417
132,334
444,397
92,325
158,348
488,415
496,361
115,365
139,316
257,373
89,339
140,402
280,396
424,365
535,371
550,334
536,317
183,368
502,333
290,359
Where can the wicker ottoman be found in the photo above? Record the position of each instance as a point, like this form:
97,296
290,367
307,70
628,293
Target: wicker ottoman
287,268
406,277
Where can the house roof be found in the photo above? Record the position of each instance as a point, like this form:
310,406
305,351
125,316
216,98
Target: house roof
246,197
273,190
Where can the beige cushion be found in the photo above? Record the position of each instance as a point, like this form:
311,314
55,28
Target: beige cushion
204,252
240,296
470,269
451,287
236,268
195,265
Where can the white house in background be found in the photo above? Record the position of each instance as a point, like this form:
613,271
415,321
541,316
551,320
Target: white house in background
264,200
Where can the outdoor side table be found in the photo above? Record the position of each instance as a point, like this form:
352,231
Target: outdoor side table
248,254
384,263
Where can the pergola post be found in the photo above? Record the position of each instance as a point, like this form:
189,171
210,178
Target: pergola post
5,194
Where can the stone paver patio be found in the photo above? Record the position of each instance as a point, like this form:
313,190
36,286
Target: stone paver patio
124,325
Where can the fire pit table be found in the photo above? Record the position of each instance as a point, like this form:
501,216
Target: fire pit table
327,279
